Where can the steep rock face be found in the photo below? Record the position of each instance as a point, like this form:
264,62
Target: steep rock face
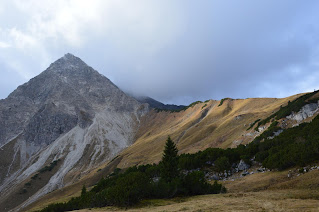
68,112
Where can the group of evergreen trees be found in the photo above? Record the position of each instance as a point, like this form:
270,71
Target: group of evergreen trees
126,188
297,146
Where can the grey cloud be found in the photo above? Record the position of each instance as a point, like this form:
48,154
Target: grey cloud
188,51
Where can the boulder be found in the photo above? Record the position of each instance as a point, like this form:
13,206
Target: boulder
243,166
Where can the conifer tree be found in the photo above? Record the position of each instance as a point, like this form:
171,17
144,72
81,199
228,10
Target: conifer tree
83,192
169,164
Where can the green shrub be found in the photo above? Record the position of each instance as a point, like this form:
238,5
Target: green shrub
49,167
222,101
222,164
129,189
253,124
195,184
34,177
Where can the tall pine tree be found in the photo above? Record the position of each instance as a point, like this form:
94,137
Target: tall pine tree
83,192
169,164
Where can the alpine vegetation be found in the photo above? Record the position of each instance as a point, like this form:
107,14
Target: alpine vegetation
127,188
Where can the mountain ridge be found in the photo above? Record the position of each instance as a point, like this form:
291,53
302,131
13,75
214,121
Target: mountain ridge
158,105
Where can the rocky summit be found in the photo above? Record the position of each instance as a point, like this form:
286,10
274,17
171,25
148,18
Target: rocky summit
69,113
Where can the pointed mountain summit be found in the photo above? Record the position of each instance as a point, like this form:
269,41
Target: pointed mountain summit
68,62
68,89
66,109
67,74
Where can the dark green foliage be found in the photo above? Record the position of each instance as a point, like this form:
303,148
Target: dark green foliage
195,184
116,171
34,177
182,109
49,167
295,146
188,161
169,163
222,101
218,188
23,191
28,184
222,164
204,106
253,124
264,121
163,189
224,158
194,103
83,192
129,189
269,132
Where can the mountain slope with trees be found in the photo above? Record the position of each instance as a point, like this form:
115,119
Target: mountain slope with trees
127,188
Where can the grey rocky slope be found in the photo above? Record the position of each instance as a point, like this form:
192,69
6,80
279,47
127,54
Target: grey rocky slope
68,112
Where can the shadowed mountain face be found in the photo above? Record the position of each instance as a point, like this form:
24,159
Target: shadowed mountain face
158,105
68,112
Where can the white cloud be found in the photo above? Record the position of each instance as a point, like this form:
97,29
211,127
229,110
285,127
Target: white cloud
22,40
4,45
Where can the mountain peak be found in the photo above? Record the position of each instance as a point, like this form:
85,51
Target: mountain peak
67,62
68,56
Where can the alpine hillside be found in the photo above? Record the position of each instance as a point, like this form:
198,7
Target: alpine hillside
70,126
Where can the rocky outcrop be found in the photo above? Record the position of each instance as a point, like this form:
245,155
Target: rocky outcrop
243,166
306,111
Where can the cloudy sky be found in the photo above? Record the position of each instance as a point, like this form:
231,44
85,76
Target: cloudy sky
174,51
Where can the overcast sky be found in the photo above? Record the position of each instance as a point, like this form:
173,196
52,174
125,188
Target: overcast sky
174,51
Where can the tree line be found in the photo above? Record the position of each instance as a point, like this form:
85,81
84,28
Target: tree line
127,188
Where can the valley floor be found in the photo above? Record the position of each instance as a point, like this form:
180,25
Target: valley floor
269,191
283,200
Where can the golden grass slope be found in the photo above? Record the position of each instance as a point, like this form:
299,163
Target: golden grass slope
199,127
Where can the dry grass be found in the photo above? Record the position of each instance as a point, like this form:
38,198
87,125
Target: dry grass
221,127
269,191
251,201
